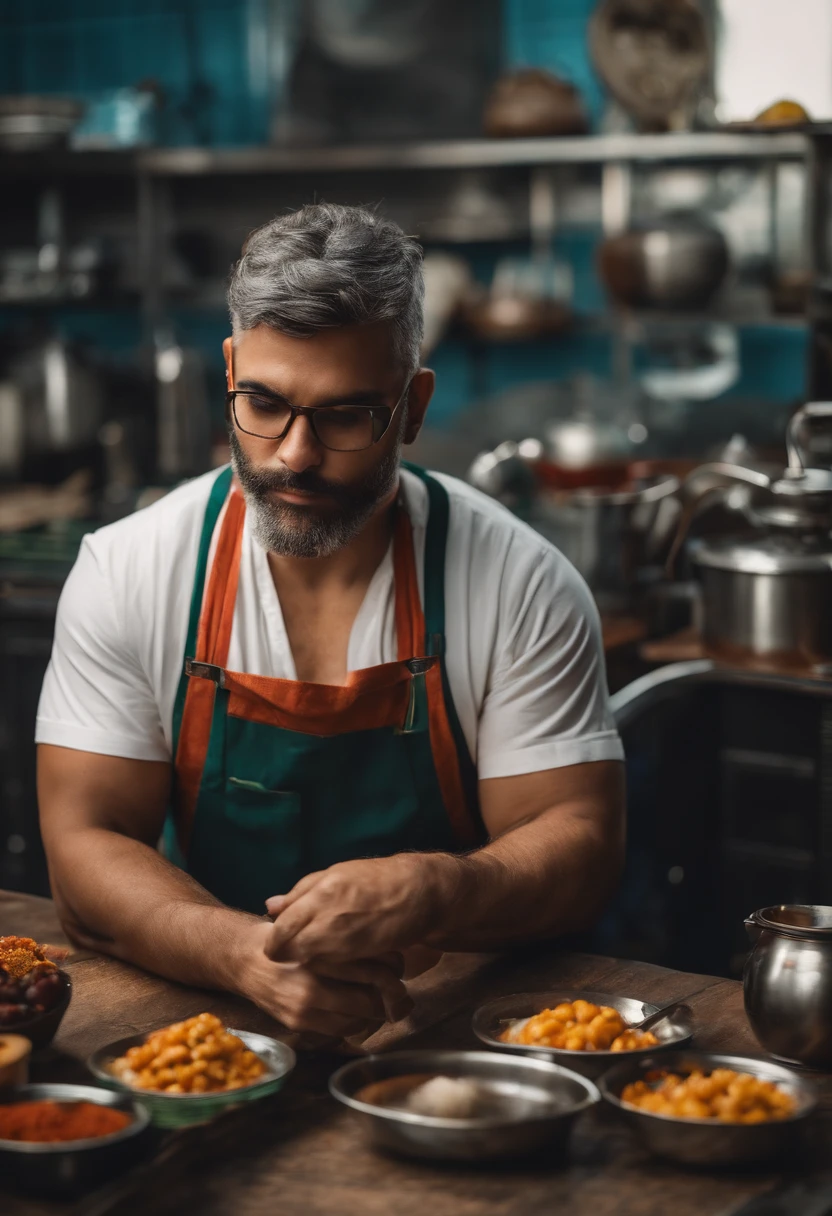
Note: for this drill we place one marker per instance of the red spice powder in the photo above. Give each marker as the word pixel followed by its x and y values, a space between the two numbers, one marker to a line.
pixel 52 1121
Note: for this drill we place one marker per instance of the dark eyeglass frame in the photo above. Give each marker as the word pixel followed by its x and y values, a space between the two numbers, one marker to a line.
pixel 381 415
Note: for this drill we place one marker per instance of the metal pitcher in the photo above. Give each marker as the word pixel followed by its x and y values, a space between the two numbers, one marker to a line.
pixel 787 982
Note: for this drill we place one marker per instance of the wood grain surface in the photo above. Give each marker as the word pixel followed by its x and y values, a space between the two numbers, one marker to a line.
pixel 299 1152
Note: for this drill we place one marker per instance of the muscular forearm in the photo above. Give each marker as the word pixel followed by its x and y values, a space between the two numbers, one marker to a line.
pixel 544 878
pixel 547 875
pixel 119 896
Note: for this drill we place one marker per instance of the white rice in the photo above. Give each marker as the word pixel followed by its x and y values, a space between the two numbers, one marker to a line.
pixel 445 1098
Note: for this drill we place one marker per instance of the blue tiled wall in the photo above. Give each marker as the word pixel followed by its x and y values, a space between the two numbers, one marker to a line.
pixel 197 50
pixel 211 51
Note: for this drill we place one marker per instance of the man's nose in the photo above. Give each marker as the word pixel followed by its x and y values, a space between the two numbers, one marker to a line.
pixel 299 449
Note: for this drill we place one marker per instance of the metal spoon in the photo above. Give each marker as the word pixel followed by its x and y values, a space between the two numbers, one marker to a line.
pixel 669 1011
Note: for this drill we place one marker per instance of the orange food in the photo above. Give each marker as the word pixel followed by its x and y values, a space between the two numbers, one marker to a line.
pixel 47 1121
pixel 732 1097
pixel 580 1026
pixel 18 955
pixel 194 1057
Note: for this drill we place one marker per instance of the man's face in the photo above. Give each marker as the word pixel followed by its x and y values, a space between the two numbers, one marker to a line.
pixel 304 499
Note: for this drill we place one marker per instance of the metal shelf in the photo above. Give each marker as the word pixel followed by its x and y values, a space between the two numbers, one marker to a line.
pixel 450 154
pixel 477 153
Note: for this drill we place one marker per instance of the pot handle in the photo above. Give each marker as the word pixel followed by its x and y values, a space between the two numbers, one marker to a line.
pixel 796 434
pixel 752 929
pixel 699 485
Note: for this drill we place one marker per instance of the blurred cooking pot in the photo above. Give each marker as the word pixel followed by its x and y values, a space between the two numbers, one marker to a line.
pixel 768 591
pixel 607 534
pixel 514 318
pixel 584 451
pixel 611 535
pixel 533 102
pixel 677 263
pixel 58 398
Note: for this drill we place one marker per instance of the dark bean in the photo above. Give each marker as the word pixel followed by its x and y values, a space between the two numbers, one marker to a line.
pixel 44 992
pixel 11 1014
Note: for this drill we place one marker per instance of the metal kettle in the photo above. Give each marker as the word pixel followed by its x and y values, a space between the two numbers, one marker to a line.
pixel 787 982
pixel 768 591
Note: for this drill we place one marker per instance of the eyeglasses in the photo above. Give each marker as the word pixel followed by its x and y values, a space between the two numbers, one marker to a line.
pixel 340 428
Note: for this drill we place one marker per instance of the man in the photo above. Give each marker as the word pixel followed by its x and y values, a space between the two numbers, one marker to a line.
pixel 373 701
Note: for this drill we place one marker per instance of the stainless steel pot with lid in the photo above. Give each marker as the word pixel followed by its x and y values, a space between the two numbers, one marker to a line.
pixel 787 982
pixel 768 592
pixel 608 534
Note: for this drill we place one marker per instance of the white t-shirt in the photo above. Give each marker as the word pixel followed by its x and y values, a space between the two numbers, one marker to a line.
pixel 523 641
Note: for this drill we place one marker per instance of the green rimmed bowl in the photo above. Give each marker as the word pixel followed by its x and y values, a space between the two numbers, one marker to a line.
pixel 186 1110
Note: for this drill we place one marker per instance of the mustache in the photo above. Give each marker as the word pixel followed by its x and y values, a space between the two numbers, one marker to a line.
pixel 261 482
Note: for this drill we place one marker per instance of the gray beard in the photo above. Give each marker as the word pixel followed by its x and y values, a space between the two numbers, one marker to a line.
pixel 295 531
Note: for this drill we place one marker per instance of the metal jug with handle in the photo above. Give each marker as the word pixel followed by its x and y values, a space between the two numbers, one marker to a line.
pixel 787 982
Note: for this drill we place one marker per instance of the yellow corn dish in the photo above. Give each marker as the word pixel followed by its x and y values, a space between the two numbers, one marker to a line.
pixel 197 1056
pixel 580 1026
pixel 732 1097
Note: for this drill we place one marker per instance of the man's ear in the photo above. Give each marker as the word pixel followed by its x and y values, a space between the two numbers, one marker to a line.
pixel 228 355
pixel 418 400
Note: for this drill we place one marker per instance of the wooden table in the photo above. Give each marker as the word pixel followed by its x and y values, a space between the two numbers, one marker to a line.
pixel 299 1152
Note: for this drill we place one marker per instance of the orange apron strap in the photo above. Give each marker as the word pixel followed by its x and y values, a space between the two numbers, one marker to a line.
pixel 217 617
pixel 213 641
pixel 452 760
pixel 446 762
pixel 410 619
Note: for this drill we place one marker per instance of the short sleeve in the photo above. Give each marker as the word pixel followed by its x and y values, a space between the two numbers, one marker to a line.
pixel 547 704
pixel 96 697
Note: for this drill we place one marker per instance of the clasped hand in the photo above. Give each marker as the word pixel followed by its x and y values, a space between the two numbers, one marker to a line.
pixel 340 938
pixel 359 909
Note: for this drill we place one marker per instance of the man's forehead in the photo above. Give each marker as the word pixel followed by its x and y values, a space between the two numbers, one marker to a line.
pixel 375 342
pixel 333 364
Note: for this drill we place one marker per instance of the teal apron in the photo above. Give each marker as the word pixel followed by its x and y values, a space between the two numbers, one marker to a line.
pixel 275 779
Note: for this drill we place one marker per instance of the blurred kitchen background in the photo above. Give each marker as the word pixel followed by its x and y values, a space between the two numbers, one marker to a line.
pixel 624 206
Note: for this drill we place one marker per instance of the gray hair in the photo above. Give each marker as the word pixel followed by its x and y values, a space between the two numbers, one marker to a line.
pixel 325 266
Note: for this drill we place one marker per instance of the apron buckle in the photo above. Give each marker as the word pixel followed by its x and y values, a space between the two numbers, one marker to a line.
pixel 205 671
pixel 415 718
pixel 418 667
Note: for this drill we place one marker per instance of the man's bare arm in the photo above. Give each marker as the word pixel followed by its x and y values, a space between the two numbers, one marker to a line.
pixel 101 817
pixel 554 858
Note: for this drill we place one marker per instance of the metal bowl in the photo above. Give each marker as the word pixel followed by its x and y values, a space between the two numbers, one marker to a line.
pixel 492 1019
pixel 185 1110
pixel 676 264
pixel 31 123
pixel 532 1105
pixel 64 1169
pixel 710 1141
pixel 41 1029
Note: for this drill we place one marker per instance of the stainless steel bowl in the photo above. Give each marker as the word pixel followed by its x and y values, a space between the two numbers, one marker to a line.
pixel 67 1168
pixel 185 1110
pixel 532 1105
pixel 709 1141
pixel 492 1019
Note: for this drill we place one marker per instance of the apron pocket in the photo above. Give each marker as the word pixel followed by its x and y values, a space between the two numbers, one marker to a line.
pixel 262 853
pixel 273 813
